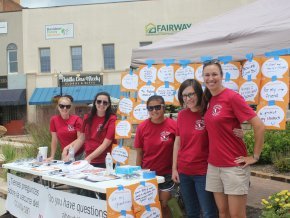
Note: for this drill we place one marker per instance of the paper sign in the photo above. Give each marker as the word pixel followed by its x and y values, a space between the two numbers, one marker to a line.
pixel 129 82
pixel 184 73
pixel 273 116
pixel 272 67
pixel 199 73
pixel 233 69
pixel 125 106
pixel 145 91
pixel 120 154
pixel 148 73
pixel 140 113
pixel 118 199
pixel 166 73
pixel 128 215
pixel 231 85
pixel 249 90
pixel 252 69
pixel 123 129
pixel 274 90
pixel 166 92
pixel 152 211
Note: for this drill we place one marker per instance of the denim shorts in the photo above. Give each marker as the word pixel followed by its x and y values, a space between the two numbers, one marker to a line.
pixel 167 185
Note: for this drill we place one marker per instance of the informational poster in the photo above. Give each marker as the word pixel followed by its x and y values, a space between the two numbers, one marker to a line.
pixel 150 211
pixel 275 89
pixel 231 69
pixel 183 73
pixel 120 154
pixel 129 81
pixel 249 89
pixel 165 73
pixel 277 67
pixel 140 113
pixel 167 91
pixel 145 90
pixel 251 69
pixel 147 73
pixel 123 129
pixel 125 106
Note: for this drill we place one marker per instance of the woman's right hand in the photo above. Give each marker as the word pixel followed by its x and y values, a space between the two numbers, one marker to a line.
pixel 175 176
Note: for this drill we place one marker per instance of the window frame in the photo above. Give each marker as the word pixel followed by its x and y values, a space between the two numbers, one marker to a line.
pixel 75 58
pixel 109 60
pixel 12 47
pixel 42 67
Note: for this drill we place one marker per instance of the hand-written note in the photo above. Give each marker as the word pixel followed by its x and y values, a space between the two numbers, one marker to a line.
pixel 120 154
pixel 130 82
pixel 249 91
pixel 140 112
pixel 125 105
pixel 166 93
pixel 120 200
pixel 144 195
pixel 271 115
pixel 274 67
pixel 148 74
pixel 123 128
pixel 231 85
pixel 153 213
pixel 166 73
pixel 199 73
pixel 250 68
pixel 275 91
pixel 145 92
pixel 232 70
pixel 183 74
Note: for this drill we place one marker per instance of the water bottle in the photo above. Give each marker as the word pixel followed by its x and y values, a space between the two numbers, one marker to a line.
pixel 109 164
pixel 39 157
pixel 71 154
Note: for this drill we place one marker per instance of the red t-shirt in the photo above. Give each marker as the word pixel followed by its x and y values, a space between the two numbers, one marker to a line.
pixel 66 130
pixel 225 112
pixel 156 141
pixel 94 138
pixel 193 150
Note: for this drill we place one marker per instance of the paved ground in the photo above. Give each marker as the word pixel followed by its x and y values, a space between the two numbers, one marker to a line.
pixel 2 206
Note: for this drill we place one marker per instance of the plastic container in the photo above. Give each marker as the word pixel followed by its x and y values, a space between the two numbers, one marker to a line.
pixel 109 164
pixel 39 156
pixel 71 153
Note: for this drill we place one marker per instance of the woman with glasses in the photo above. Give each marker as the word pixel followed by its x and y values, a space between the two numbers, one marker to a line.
pixel 64 128
pixel 98 131
pixel 228 172
pixel 191 152
pixel 154 145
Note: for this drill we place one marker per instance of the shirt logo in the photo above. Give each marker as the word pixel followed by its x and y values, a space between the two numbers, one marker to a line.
pixel 216 110
pixel 164 136
pixel 199 125
pixel 99 127
pixel 70 127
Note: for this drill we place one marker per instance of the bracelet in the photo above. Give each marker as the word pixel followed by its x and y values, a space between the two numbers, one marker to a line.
pixel 256 157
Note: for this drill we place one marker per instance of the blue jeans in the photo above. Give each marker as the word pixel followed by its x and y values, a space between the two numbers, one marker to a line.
pixel 196 198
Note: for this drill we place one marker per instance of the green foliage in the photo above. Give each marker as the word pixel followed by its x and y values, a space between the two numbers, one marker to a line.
pixel 277 205
pixel 9 153
pixel 281 161
pixel 275 141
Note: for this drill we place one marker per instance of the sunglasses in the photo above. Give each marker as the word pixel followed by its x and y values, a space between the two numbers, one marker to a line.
pixel 105 103
pixel 189 95
pixel 155 107
pixel 62 106
pixel 213 61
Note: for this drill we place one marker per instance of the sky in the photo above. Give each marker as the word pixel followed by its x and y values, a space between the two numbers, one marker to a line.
pixel 52 3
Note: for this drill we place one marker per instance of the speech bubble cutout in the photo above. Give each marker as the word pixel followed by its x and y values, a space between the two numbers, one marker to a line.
pixel 183 74
pixel 120 200
pixel 126 105
pixel 140 112
pixel 130 81
pixel 274 67
pixel 275 91
pixel 271 115
pixel 250 68
pixel 148 74
pixel 145 92
pixel 249 91
pixel 166 73
pixel 232 70
pixel 145 195
pixel 153 213
pixel 231 85
pixel 166 93
pixel 120 154
pixel 123 128
pixel 127 216
pixel 198 74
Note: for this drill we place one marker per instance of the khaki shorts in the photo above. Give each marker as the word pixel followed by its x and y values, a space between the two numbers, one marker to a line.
pixel 229 180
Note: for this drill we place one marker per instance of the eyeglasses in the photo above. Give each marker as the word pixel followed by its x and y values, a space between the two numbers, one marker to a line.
pixel 155 107
pixel 189 95
pixel 105 103
pixel 62 106
pixel 213 61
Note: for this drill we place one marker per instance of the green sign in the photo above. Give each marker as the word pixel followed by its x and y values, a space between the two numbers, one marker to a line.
pixel 164 29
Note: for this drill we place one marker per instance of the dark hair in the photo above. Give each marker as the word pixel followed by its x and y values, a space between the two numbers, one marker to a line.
pixel 206 94
pixel 197 89
pixel 109 111
pixel 69 97
pixel 155 98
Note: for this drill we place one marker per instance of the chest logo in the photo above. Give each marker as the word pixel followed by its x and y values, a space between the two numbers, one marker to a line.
pixel 216 110
pixel 164 136
pixel 70 127
pixel 99 127
pixel 199 125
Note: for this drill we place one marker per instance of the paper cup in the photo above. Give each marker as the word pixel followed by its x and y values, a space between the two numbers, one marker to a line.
pixel 43 151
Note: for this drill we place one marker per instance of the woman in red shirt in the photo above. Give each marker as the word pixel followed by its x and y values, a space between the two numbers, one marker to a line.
pixel 228 163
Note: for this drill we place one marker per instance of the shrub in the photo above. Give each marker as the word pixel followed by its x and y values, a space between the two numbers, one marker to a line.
pixel 281 160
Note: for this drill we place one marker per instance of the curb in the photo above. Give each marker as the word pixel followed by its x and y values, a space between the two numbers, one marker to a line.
pixel 276 177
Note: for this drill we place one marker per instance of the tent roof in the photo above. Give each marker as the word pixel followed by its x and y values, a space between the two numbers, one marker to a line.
pixel 259 27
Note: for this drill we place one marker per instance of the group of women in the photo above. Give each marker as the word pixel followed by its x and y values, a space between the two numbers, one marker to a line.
pixel 203 150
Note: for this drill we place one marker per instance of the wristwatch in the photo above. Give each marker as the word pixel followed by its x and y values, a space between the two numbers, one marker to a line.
pixel 256 157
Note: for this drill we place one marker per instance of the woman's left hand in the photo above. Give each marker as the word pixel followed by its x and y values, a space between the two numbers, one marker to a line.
pixel 245 161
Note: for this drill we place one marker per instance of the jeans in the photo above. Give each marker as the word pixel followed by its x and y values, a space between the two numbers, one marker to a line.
pixel 196 198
